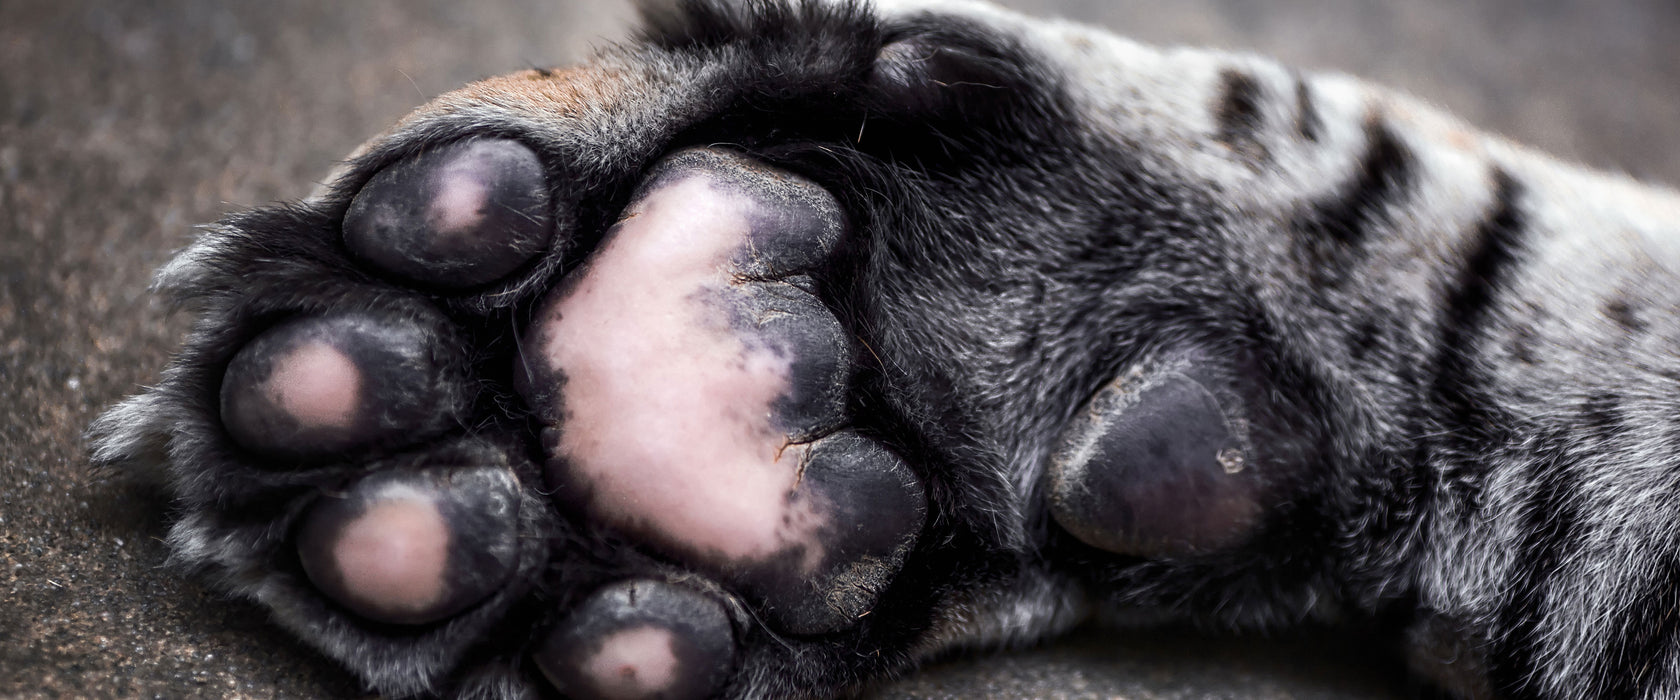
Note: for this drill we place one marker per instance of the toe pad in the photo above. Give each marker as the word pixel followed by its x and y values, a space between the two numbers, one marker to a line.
pixel 640 639
pixel 316 386
pixel 413 547
pixel 458 216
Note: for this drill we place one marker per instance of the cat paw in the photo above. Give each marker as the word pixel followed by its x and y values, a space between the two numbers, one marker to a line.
pixel 727 365
pixel 644 465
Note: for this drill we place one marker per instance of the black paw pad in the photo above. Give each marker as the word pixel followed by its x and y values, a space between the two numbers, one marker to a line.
pixel 317 386
pixel 640 639
pixel 790 324
pixel 1154 467
pixel 459 216
pixel 872 508
pixel 413 547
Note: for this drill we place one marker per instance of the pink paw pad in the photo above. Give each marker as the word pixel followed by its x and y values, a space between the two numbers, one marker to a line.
pixel 413 547
pixel 462 215
pixel 639 640
pixel 316 386
pixel 687 375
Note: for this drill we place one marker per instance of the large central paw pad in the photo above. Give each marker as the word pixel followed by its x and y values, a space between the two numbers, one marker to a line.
pixel 690 393
pixel 695 391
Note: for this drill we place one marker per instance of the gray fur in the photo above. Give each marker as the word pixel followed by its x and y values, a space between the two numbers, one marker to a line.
pixel 1477 361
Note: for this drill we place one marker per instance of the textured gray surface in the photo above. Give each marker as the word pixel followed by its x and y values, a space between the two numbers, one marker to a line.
pixel 123 124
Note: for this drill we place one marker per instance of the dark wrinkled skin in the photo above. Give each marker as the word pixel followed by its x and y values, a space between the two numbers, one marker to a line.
pixel 123 126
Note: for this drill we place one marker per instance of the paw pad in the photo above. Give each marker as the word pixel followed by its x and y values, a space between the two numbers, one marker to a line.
pixel 316 386
pixel 1155 467
pixel 640 639
pixel 413 547
pixel 684 376
pixel 458 216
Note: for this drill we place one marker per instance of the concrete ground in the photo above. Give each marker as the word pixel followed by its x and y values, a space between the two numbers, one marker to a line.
pixel 124 124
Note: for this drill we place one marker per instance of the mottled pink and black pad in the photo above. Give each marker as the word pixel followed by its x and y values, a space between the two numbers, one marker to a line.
pixel 319 386
pixel 640 639
pixel 874 510
pixel 933 248
pixel 413 547
pixel 694 391
pixel 458 216
pixel 1155 466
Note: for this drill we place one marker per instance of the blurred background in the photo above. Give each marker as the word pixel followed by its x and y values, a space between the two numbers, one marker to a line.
pixel 124 124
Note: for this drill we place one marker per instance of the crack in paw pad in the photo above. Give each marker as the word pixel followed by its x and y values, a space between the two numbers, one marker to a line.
pixel 458 216
pixel 412 547
pixel 685 374
pixel 640 639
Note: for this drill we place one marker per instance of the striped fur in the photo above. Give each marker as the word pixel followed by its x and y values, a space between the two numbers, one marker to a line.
pixel 1464 353
pixel 1498 330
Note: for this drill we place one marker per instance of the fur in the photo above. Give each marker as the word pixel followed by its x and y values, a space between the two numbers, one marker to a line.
pixel 1459 354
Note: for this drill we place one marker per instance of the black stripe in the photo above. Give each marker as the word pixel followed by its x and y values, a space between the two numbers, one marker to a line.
pixel 1473 433
pixel 1307 122
pixel 1487 267
pixel 1486 270
pixel 1238 113
pixel 1387 172
pixel 1468 415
